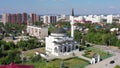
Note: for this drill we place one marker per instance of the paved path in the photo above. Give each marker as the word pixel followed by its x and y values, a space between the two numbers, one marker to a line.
pixel 106 63
pixel 79 54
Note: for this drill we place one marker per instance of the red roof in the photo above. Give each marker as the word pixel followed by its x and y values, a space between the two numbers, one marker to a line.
pixel 12 65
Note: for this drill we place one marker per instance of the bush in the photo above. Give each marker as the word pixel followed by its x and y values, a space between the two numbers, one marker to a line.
pixel 36 58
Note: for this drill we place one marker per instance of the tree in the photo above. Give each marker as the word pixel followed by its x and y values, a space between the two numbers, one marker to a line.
pixel 36 58
pixel 21 44
pixel 11 56
pixel 18 28
pixel 118 43
pixel 78 36
pixel 101 38
pixel 17 58
pixel 4 43
pixel 2 48
pixel 11 44
pixel 3 61
pixel 38 23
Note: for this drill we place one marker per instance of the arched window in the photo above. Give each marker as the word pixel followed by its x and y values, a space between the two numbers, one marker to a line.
pixel 65 48
pixel 72 47
pixel 56 50
pixel 69 48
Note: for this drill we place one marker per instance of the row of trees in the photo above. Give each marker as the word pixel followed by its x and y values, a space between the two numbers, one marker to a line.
pixel 29 44
pixel 15 29
pixel 100 36
pixel 10 56
pixel 10 52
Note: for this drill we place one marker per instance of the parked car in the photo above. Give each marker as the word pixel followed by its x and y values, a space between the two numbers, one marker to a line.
pixel 112 62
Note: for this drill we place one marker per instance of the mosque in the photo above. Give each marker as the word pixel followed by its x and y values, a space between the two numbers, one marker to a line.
pixel 58 43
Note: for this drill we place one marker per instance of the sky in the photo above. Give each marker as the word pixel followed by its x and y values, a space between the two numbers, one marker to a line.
pixel 60 6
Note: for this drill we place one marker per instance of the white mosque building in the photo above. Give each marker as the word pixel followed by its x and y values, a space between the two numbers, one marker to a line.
pixel 58 43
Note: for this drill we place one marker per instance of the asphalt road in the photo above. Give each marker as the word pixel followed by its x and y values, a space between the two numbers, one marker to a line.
pixel 106 63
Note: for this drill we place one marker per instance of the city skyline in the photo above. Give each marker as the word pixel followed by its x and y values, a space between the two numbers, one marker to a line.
pixel 60 6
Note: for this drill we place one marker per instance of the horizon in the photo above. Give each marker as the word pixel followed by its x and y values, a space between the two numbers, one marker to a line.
pixel 41 7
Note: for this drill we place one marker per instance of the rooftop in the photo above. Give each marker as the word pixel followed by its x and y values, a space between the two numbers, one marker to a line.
pixel 58 30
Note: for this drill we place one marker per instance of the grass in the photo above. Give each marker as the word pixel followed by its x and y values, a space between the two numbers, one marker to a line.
pixel 117 66
pixel 37 64
pixel 69 63
pixel 76 63
pixel 32 52
pixel 91 51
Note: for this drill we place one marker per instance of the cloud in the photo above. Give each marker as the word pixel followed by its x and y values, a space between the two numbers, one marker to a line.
pixel 112 7
pixel 1 9
pixel 53 0
pixel 58 0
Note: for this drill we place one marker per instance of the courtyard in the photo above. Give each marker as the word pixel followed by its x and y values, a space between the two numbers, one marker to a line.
pixel 90 51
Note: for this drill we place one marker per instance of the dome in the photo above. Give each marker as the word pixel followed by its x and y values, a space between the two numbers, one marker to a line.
pixel 58 30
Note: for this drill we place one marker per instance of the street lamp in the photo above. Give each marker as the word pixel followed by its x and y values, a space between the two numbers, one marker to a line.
pixel 13 31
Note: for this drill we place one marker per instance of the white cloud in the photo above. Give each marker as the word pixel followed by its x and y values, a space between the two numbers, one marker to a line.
pixel 1 9
pixel 54 0
pixel 112 7
pixel 58 0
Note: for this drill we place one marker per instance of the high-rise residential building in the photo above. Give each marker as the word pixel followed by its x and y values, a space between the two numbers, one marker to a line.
pixel 13 18
pixel 18 18
pixel 49 19
pixel 39 18
pixel 33 18
pixel 46 19
pixel 53 19
pixel 4 18
pixel 25 18
pixel 9 18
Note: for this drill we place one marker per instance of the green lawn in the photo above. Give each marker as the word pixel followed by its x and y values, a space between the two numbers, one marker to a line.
pixel 32 52
pixel 76 63
pixel 117 66
pixel 70 63
pixel 91 50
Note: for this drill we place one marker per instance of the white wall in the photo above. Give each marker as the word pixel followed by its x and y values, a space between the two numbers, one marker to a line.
pixel 46 19
pixel 37 31
pixel 109 18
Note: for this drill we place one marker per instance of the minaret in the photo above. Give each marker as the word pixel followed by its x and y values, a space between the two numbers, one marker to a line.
pixel 72 23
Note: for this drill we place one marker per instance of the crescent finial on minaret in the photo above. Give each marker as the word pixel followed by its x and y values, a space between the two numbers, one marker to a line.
pixel 72 11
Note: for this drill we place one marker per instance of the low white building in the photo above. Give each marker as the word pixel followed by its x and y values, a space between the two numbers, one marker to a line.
pixel 39 32
pixel 114 29
pixel 58 43
pixel 109 18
